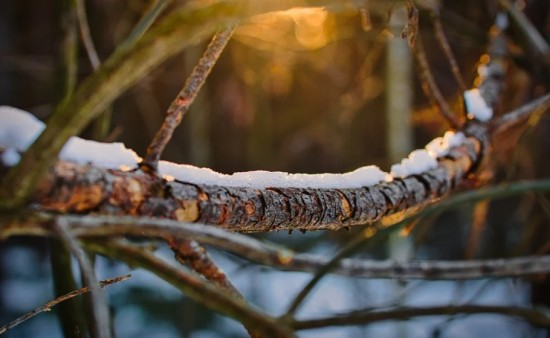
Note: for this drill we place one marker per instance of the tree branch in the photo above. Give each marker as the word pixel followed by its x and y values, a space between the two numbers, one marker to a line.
pixel 101 320
pixel 193 286
pixel 186 97
pixel 430 87
pixel 532 316
pixel 77 188
pixel 49 305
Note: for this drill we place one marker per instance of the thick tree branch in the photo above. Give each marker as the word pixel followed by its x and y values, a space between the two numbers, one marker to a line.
pixel 76 188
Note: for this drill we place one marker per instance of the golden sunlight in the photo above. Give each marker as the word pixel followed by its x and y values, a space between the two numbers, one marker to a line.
pixel 298 28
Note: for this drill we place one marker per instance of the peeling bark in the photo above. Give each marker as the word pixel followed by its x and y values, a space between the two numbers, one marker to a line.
pixel 73 188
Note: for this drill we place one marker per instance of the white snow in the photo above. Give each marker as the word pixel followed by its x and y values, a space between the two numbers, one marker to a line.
pixel 105 155
pixel 10 157
pixel 18 129
pixel 364 176
pixel 418 162
pixel 440 146
pixel 477 106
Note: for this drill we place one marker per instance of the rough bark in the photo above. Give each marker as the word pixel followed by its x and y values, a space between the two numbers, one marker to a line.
pixel 73 188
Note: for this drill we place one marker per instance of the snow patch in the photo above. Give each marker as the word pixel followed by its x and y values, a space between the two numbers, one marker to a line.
pixel 10 157
pixel 440 146
pixel 477 106
pixel 105 155
pixel 18 129
pixel 364 176
pixel 418 162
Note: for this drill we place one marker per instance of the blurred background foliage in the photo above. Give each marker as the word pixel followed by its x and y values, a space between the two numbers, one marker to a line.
pixel 304 90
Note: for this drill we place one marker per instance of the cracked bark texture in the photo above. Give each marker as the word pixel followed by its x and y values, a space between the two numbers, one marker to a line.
pixel 73 188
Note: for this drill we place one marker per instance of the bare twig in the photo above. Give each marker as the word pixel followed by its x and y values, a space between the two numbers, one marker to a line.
pixel 151 13
pixel 444 44
pixel 281 258
pixel 67 65
pixel 48 306
pixel 430 87
pixel 519 115
pixel 101 319
pixel 186 96
pixel 533 316
pixel 535 39
pixel 193 286
pixel 85 35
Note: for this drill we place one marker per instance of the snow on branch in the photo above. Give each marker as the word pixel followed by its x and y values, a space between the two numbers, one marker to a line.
pixel 481 101
pixel 104 178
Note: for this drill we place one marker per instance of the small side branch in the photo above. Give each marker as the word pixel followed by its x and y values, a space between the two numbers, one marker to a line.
pixel 85 35
pixel 444 44
pixel 186 96
pixel 49 305
pixel 430 87
pixel 532 35
pixel 533 316
pixel 192 254
pixel 520 115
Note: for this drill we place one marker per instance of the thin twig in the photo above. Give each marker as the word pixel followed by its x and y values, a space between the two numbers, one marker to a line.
pixel 444 44
pixel 281 258
pixel 151 13
pixel 100 311
pixel 533 316
pixel 102 123
pixel 186 96
pixel 519 115
pixel 430 87
pixel 48 306
pixel 67 65
pixel 532 35
pixel 85 35
pixel 193 286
